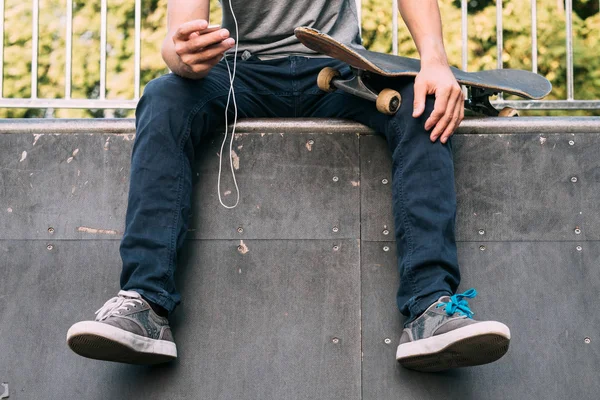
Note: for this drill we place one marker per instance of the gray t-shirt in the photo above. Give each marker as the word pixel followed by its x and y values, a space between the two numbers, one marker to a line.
pixel 266 27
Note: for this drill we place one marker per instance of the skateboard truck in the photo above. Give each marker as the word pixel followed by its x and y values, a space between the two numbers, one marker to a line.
pixel 478 101
pixel 387 101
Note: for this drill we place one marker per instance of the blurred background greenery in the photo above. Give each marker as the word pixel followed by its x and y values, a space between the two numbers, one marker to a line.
pixel 377 35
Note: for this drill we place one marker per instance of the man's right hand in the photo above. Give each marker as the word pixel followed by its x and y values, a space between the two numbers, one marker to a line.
pixel 199 50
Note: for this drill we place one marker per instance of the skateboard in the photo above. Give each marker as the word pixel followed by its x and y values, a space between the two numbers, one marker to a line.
pixel 369 67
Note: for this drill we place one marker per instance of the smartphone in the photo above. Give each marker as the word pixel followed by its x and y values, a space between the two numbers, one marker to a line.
pixel 211 28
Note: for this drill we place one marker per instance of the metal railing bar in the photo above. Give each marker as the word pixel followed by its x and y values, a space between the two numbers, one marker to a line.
pixel 534 45
pixel 137 51
pixel 499 35
pixel 2 48
pixel 53 126
pixel 131 104
pixel 395 27
pixel 530 125
pixel 34 47
pixel 499 125
pixel 359 14
pixel 569 27
pixel 499 38
pixel 69 49
pixel 464 33
pixel 68 103
pixel 470 125
pixel 549 104
pixel 103 13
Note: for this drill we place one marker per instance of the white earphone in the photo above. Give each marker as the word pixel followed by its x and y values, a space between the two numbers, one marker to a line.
pixel 230 95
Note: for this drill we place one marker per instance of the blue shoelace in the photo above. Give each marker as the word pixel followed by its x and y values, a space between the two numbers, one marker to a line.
pixel 458 304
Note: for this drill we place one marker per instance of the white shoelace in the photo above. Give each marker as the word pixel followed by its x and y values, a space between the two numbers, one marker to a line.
pixel 124 300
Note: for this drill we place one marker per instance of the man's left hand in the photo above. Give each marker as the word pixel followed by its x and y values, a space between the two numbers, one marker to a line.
pixel 448 112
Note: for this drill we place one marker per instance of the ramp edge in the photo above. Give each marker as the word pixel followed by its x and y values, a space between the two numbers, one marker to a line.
pixel 489 125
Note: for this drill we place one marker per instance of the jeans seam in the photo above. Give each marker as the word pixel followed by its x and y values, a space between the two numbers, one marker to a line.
pixel 405 217
pixel 287 94
pixel 314 92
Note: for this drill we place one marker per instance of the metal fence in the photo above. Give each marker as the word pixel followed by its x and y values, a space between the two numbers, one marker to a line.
pixel 569 103
pixel 103 103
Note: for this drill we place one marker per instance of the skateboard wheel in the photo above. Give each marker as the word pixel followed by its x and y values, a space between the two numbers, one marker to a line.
pixel 388 101
pixel 325 79
pixel 508 112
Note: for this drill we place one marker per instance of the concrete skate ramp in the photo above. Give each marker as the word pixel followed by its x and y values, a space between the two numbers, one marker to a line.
pixel 300 303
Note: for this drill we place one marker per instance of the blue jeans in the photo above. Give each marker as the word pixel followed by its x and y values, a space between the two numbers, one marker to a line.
pixel 175 114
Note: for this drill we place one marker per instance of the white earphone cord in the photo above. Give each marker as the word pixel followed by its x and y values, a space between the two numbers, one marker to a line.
pixel 230 95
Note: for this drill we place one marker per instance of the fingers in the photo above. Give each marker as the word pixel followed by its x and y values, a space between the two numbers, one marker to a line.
pixel 439 109
pixel 210 52
pixel 205 65
pixel 202 48
pixel 202 41
pixel 196 43
pixel 186 29
pixel 419 99
pixel 447 114
pixel 459 113
pixel 207 54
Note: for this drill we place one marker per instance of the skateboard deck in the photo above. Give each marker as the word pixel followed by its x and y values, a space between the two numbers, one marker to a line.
pixel 364 63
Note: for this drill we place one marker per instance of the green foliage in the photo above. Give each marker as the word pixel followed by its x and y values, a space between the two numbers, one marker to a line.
pixel 377 35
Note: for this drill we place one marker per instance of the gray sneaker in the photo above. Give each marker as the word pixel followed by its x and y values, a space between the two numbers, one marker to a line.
pixel 445 336
pixel 126 330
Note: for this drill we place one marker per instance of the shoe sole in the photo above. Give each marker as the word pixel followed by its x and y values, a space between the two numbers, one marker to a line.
pixel 472 345
pixel 100 341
